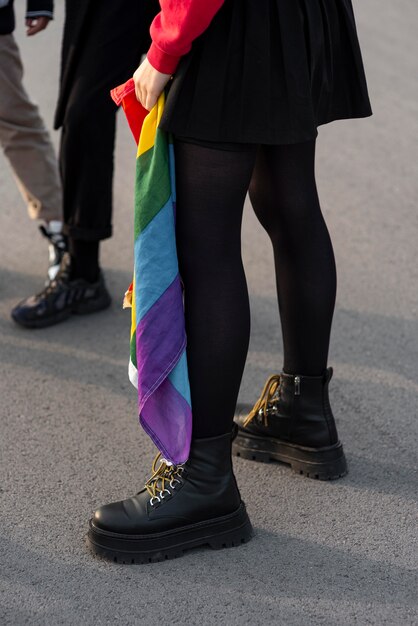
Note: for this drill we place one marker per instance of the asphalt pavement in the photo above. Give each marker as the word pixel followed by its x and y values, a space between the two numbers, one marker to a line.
pixel 337 553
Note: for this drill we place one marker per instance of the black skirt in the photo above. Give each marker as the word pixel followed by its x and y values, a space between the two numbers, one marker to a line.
pixel 269 72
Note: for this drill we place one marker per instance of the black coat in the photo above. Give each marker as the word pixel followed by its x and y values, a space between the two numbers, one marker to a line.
pixel 34 8
pixel 79 21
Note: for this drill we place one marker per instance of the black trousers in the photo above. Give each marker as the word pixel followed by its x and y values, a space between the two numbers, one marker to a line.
pixel 114 38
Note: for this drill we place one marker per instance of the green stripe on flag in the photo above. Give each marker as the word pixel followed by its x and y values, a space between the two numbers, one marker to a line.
pixel 152 190
pixel 133 350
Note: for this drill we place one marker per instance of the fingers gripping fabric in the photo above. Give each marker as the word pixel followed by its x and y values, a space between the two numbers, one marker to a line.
pixel 158 366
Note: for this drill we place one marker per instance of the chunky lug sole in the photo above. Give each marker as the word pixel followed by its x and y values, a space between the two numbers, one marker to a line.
pixel 326 463
pixel 81 308
pixel 222 532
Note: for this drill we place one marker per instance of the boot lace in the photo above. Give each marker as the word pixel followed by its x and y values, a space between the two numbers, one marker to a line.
pixel 164 478
pixel 267 402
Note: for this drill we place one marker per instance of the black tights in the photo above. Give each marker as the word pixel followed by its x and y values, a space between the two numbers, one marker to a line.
pixel 211 189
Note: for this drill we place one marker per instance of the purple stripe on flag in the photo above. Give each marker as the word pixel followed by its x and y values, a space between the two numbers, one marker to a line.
pixel 167 419
pixel 160 340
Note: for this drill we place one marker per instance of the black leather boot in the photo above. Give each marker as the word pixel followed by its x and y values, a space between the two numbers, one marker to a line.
pixel 292 422
pixel 181 507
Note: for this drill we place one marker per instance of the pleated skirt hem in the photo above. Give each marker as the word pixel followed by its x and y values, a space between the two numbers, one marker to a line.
pixel 278 138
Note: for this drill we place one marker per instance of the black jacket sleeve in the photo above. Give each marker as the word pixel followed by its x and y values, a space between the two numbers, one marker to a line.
pixel 40 8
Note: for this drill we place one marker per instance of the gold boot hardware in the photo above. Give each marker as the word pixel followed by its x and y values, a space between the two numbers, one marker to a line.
pixel 266 403
pixel 164 476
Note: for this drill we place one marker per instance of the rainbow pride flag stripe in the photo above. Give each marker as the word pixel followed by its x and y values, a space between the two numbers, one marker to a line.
pixel 158 365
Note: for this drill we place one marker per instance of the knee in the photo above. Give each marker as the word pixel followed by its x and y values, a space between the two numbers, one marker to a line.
pixel 194 264
pixel 265 206
pixel 208 266
pixel 280 214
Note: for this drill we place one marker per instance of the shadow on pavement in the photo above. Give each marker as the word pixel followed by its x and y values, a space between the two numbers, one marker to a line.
pixel 256 578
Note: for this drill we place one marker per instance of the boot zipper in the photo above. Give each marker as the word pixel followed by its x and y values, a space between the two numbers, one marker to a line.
pixel 297 385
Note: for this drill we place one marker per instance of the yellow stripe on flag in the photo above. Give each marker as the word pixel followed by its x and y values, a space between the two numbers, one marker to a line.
pixel 133 311
pixel 149 127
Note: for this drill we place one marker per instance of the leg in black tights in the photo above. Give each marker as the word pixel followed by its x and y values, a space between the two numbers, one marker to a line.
pixel 211 189
pixel 285 199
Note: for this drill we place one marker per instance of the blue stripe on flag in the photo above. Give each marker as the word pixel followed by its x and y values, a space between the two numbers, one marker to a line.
pixel 179 378
pixel 155 260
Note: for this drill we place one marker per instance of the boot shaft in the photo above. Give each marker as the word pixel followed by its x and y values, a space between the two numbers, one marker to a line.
pixel 304 404
pixel 208 473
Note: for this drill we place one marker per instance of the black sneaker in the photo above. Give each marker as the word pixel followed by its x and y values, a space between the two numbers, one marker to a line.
pixel 60 298
pixel 57 246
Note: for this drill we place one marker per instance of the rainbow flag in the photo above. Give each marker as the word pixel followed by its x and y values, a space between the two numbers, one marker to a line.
pixel 158 366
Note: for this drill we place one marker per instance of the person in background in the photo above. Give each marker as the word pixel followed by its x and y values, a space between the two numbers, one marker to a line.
pixel 97 55
pixel 23 136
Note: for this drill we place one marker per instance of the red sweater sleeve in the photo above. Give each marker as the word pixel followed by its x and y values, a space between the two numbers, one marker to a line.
pixel 175 28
